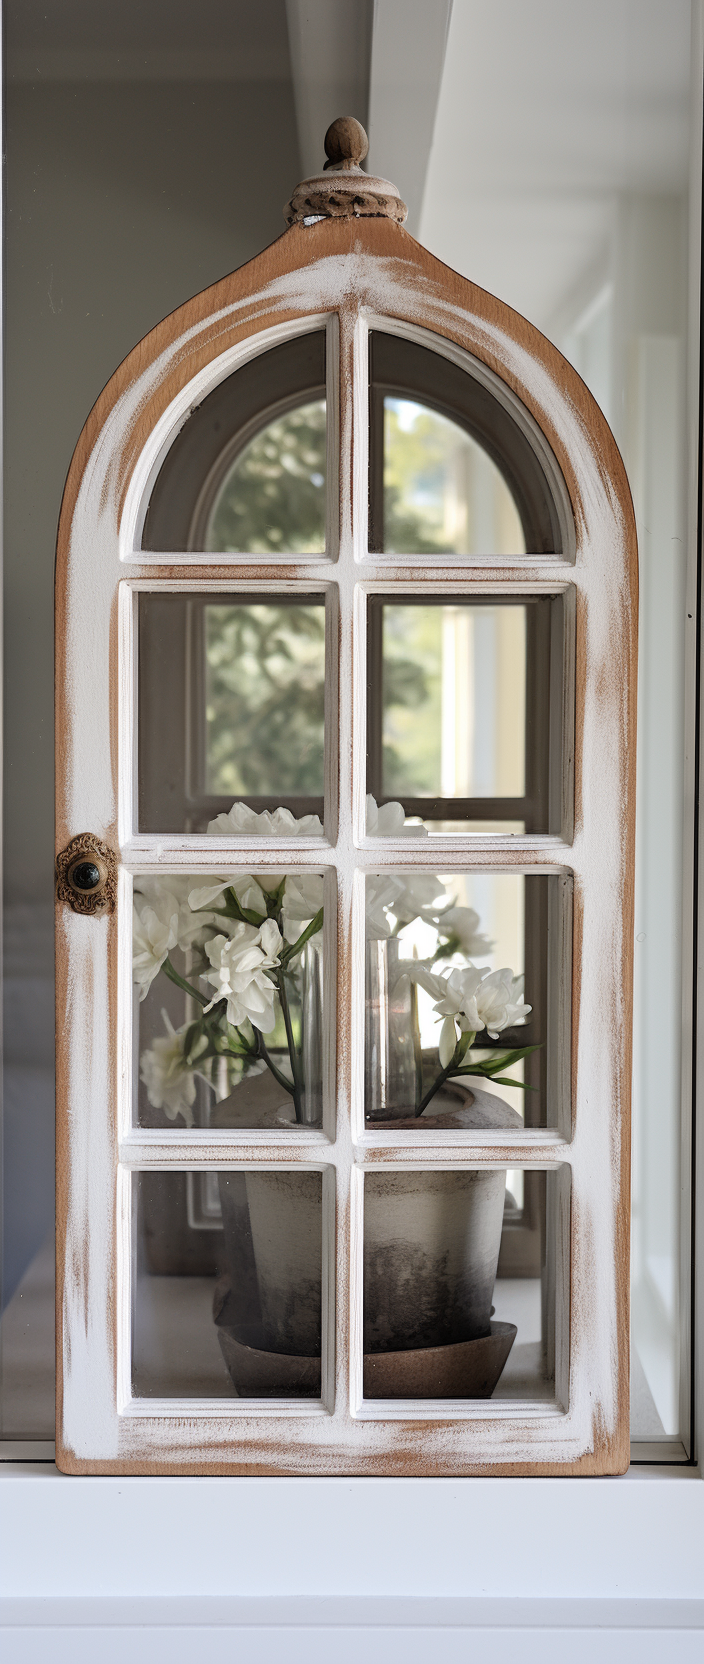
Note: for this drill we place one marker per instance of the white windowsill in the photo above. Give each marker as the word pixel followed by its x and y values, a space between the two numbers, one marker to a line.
pixel 631 1540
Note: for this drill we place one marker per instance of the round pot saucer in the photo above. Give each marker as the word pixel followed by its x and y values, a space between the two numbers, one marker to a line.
pixel 467 1369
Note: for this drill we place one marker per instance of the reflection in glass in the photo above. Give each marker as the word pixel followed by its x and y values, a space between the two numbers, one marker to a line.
pixel 441 1320
pixel 264 699
pixel 456 989
pixel 227 1291
pixel 442 492
pixel 272 497
pixel 454 697
pixel 228 978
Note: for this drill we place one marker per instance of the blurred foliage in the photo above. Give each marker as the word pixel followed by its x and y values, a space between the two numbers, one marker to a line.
pixel 418 451
pixel 273 499
pixel 265 664
pixel 265 699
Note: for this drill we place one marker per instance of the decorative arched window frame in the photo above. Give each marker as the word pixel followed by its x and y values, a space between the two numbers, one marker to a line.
pixel 345 264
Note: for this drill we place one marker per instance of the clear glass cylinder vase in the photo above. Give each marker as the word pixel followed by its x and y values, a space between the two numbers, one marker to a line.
pixel 312 1033
pixel 392 1056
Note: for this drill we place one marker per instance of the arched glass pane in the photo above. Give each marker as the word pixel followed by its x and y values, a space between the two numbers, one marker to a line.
pixel 246 474
pixel 442 492
pixel 453 469
pixel 272 497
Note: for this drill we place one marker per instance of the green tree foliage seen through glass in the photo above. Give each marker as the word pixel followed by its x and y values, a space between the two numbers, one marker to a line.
pixel 265 697
pixel 272 501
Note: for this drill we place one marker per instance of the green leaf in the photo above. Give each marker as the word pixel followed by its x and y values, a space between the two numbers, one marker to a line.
pixel 502 1080
pixel 463 1044
pixel 274 900
pixel 246 914
pixel 191 1036
pixel 505 1080
pixel 504 1060
pixel 310 930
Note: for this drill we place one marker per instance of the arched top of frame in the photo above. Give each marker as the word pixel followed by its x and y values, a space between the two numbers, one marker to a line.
pixel 358 269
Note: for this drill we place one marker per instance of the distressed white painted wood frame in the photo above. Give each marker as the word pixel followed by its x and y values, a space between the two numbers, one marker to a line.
pixel 344 274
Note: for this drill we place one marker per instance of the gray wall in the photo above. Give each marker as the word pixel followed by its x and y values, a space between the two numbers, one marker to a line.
pixel 123 199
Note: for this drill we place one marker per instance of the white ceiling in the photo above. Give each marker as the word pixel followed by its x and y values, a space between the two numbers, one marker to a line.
pixel 547 110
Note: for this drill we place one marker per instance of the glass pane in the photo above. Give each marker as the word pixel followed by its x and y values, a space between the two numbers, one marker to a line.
pixel 264 699
pixel 451 468
pixel 442 492
pixel 247 471
pixel 454 701
pixel 272 497
pixel 459 973
pixel 463 722
pixel 227 1291
pixel 442 1318
pixel 228 1000
pixel 231 705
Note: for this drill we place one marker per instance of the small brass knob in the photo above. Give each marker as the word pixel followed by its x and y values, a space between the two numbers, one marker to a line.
pixel 86 875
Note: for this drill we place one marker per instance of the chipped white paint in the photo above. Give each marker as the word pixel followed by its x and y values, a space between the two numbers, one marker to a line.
pixel 102 1427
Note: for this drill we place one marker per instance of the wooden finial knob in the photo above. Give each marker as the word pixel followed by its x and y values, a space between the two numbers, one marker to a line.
pixel 346 143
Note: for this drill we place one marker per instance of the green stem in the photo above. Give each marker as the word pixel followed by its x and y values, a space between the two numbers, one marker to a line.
pixel 268 1059
pixel 460 1051
pixel 173 976
pixel 442 1077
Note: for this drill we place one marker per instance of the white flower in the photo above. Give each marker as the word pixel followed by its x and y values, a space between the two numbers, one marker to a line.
pixel 499 1001
pixel 169 1080
pixel 381 894
pixel 483 999
pixel 248 892
pixel 459 997
pixel 206 894
pixel 447 1042
pixel 406 898
pixel 464 922
pixel 417 898
pixel 474 999
pixel 169 897
pixel 303 898
pixel 240 963
pixel 389 821
pixel 241 821
pixel 155 931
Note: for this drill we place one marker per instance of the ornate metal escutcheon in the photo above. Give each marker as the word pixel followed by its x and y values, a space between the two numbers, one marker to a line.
pixel 86 875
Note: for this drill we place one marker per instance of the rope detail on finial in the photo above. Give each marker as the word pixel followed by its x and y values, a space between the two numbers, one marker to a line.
pixel 343 190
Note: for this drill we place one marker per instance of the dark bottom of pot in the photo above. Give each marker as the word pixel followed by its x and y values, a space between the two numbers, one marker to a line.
pixel 469 1369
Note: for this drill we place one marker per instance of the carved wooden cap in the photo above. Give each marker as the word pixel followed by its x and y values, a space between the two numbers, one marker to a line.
pixel 343 190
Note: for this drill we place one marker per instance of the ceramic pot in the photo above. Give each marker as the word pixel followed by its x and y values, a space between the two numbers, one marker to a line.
pixel 432 1239
pixel 272 1224
pixel 431 1247
pixel 431 1243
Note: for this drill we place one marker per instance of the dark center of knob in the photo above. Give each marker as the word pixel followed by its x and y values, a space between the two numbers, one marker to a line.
pixel 85 875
